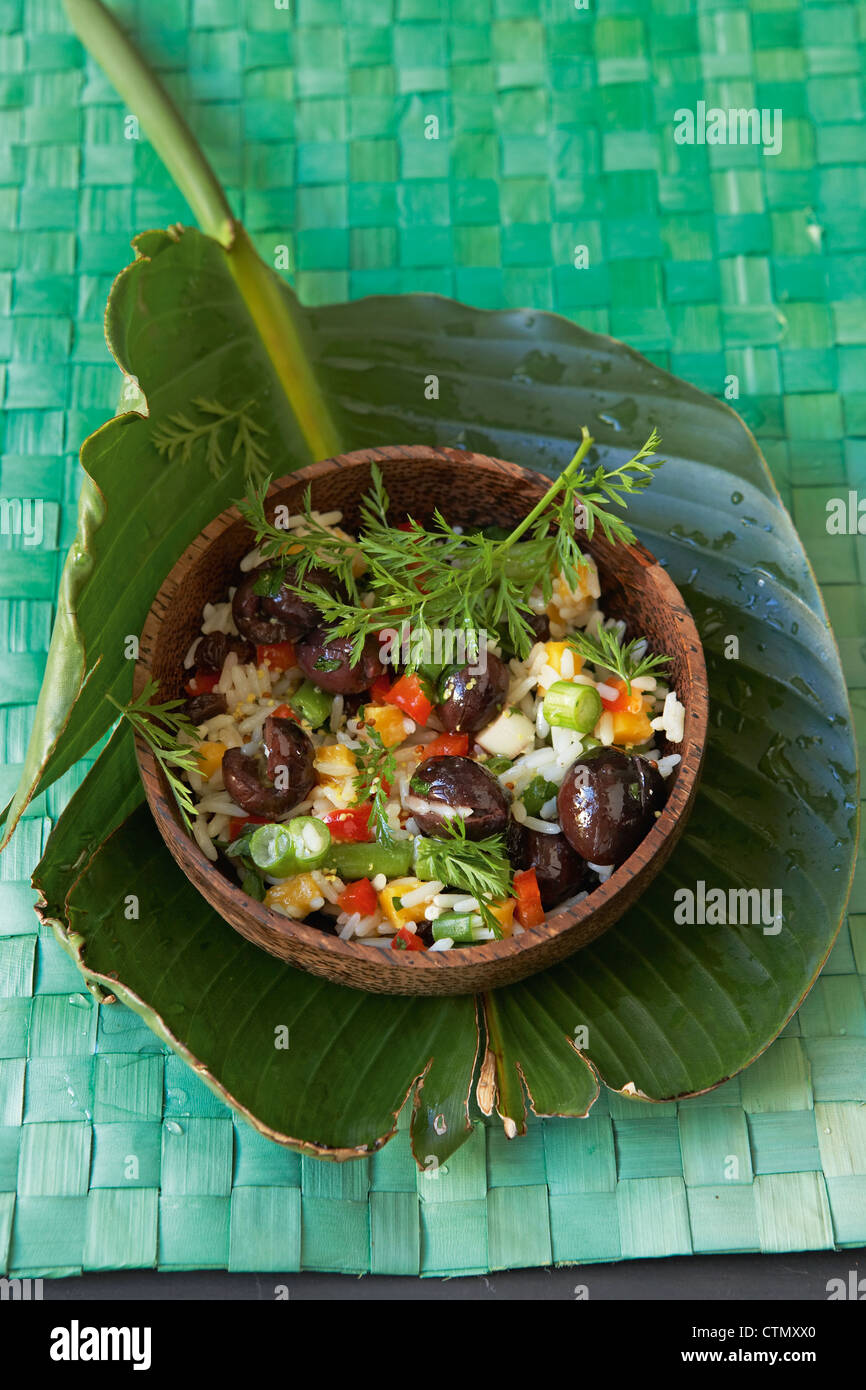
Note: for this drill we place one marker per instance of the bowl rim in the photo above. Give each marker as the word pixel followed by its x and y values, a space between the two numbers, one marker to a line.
pixel 563 918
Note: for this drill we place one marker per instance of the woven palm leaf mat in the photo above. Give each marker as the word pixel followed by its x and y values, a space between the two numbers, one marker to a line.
pixel 556 130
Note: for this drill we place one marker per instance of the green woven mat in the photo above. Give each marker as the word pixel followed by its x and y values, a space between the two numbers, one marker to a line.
pixel 555 131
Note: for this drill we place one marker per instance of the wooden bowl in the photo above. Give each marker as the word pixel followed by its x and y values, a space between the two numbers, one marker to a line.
pixel 470 489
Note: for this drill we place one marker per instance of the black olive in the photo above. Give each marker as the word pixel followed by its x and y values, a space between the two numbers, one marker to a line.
pixel 327 662
pixel 214 647
pixel 281 616
pixel 298 614
pixel 454 781
pixel 608 802
pixel 471 699
pixel 200 708
pixel 516 841
pixel 558 870
pixel 274 781
pixel 540 624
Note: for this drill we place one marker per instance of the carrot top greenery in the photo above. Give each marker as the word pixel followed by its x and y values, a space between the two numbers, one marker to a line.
pixel 436 576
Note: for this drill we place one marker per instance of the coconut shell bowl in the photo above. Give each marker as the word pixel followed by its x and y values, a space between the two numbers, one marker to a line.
pixel 471 489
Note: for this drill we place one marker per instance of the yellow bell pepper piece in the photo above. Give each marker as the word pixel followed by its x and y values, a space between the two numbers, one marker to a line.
pixel 387 720
pixel 294 897
pixel 334 760
pixel 631 728
pixel 554 652
pixel 210 756
pixel 503 911
pixel 390 901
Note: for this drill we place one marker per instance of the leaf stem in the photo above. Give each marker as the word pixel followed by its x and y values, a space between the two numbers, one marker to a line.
pixel 146 97
pixel 585 445
pixel 270 308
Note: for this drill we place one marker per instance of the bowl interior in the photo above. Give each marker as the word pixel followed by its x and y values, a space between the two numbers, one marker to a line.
pixel 469 490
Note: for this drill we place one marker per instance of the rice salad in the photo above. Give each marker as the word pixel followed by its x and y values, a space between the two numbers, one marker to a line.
pixel 421 807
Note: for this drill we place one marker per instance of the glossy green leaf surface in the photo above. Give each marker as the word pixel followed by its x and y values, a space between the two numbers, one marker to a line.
pixel 658 1007
pixel 182 324
pixel 309 1063
pixel 663 1008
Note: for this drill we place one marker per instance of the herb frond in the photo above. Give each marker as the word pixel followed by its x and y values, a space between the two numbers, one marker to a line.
pixel 437 577
pixel 592 495
pixel 478 867
pixel 163 726
pixel 376 771
pixel 179 435
pixel 607 649
pixel 301 548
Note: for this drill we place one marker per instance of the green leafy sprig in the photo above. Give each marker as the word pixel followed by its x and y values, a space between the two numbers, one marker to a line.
pixel 376 767
pixel 301 549
pixel 595 493
pixel 478 867
pixel 437 577
pixel 179 435
pixel 162 726
pixel 607 649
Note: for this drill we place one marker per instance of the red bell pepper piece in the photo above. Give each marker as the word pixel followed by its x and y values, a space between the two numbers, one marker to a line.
pixel 529 911
pixel 285 712
pixel 380 690
pixel 623 701
pixel 238 823
pixel 359 896
pixel 406 940
pixel 352 825
pixel 279 656
pixel 409 695
pixel 202 683
pixel 447 746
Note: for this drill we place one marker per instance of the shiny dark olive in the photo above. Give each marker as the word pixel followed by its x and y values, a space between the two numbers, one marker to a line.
pixel 278 617
pixel 273 781
pixel 214 647
pixel 558 870
pixel 454 781
pixel 295 612
pixel 540 625
pixel 327 662
pixel 200 708
pixel 469 701
pixel 608 802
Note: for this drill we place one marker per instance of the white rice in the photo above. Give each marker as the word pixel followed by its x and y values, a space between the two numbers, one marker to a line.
pixel 424 894
pixel 604 871
pixel 466 905
pixel 252 692
pixel 336 713
pixel 671 721
pixel 220 803
pixel 203 839
pixel 604 729
pixel 519 812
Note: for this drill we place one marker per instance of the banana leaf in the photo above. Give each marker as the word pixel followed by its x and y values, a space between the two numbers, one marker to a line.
pixel 234 376
pixel 655 1008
